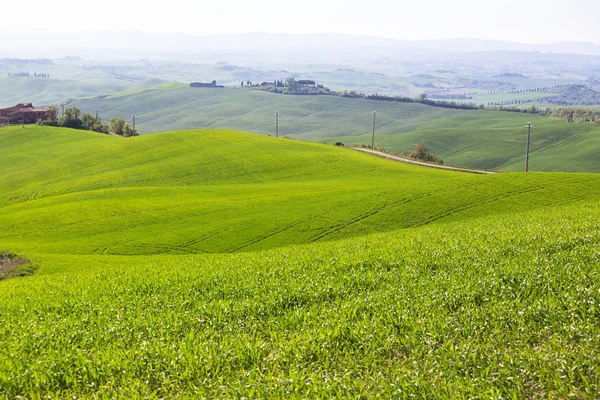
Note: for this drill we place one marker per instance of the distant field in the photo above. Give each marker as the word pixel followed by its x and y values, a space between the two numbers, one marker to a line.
pixel 213 263
pixel 477 139
pixel 49 91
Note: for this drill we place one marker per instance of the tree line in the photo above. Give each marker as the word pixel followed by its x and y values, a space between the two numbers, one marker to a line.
pixel 470 95
pixel 27 75
pixel 291 86
pixel 576 115
pixel 309 87
pixel 75 119
pixel 548 100
pixel 422 99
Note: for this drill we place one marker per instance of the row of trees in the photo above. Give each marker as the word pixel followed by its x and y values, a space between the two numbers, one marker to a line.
pixel 450 96
pixel 309 87
pixel 421 99
pixel 574 114
pixel 276 83
pixel 538 89
pixel 27 75
pixel 291 86
pixel 74 118
pixel 577 115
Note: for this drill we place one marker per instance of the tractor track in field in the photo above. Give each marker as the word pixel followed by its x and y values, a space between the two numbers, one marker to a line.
pixel 406 160
pixel 335 228
pixel 278 231
pixel 160 248
pixel 435 218
pixel 387 206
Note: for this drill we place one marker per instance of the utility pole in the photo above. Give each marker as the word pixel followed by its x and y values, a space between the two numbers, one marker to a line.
pixel 133 117
pixel 277 124
pixel 373 138
pixel 528 140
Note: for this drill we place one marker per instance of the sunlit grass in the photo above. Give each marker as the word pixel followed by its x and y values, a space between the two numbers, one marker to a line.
pixel 349 275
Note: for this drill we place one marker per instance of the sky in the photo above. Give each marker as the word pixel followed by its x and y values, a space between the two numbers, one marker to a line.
pixel 526 21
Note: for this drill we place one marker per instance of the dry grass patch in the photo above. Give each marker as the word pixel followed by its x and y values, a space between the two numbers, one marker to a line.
pixel 12 266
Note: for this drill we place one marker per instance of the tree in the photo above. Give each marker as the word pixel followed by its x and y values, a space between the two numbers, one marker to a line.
pixel 101 127
pixel 290 82
pixel 129 131
pixel 117 125
pixel 423 97
pixel 71 118
pixel 51 114
pixel 242 83
pixel 88 121
pixel 421 150
pixel 120 127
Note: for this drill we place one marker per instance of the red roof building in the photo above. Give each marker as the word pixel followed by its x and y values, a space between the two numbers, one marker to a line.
pixel 26 113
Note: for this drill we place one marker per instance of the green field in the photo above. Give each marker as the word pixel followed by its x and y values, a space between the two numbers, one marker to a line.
pixel 476 139
pixel 215 263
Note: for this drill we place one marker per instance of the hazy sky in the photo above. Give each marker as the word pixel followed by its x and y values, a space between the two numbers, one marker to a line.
pixel 529 21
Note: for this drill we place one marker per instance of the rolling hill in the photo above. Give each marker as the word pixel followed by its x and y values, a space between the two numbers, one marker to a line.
pixel 476 139
pixel 215 263
pixel 100 194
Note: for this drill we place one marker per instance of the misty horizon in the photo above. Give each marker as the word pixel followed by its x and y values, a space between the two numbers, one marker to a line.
pixel 27 41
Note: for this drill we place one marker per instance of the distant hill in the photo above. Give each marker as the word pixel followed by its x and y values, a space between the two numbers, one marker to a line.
pixel 250 41
pixel 477 139
pixel 574 95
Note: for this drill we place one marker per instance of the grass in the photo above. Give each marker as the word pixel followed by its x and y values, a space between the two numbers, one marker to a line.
pixel 475 139
pixel 214 263
pixel 99 194
pixel 65 83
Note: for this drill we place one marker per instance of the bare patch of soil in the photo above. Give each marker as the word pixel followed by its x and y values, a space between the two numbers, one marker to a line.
pixel 12 266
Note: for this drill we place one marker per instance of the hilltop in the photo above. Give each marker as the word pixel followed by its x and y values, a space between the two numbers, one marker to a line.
pixel 479 139
pixel 96 194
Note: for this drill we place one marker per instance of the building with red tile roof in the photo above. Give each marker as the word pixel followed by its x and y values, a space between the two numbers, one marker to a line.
pixel 26 113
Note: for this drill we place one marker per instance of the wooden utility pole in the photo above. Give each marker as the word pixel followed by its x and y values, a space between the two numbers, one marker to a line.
pixel 373 137
pixel 528 141
pixel 277 124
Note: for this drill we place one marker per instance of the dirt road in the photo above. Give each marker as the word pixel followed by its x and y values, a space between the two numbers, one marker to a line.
pixel 408 161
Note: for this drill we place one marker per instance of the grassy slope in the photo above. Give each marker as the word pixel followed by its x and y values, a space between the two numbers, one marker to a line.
pixel 63 84
pixel 492 290
pixel 488 140
pixel 100 194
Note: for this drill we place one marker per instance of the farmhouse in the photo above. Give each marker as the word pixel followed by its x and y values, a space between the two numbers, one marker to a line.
pixel 21 112
pixel 213 84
